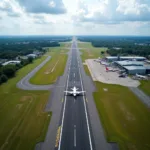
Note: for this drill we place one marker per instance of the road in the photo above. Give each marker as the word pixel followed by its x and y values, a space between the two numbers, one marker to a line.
pixel 24 83
pixel 75 125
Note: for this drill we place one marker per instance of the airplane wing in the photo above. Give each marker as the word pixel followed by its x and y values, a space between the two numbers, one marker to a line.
pixel 79 92
pixel 69 92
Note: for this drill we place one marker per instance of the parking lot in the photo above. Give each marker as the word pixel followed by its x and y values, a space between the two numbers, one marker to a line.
pixel 99 73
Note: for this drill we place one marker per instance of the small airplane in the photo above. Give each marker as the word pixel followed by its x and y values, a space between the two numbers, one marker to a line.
pixel 123 75
pixel 74 92
pixel 111 70
pixel 141 77
pixel 101 62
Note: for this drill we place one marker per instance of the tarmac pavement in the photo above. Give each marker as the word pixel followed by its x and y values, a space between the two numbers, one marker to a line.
pixel 24 83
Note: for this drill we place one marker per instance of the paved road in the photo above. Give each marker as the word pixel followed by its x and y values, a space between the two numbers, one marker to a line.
pixel 26 85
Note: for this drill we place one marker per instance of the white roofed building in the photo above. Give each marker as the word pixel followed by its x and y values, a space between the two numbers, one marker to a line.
pixel 11 62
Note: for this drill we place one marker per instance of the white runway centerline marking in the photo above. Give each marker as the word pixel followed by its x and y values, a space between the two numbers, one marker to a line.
pixel 75 141
pixel 74 75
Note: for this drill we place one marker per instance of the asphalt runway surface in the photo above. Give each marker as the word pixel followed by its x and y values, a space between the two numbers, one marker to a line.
pixel 74 123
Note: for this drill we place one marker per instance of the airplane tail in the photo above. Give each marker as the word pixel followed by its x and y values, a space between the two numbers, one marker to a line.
pixel 107 69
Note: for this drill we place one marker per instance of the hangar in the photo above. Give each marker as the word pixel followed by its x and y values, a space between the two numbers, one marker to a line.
pixel 122 58
pixel 132 70
pixel 132 67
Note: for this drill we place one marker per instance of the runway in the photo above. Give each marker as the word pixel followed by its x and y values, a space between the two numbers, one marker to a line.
pixel 74 123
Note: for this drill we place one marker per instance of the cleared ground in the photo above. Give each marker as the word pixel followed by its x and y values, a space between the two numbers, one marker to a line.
pixel 125 118
pixel 53 68
pixel 22 120
pixel 145 86
pixel 90 52
pixel 98 73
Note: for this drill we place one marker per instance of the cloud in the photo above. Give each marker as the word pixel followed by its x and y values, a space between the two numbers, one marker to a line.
pixel 10 8
pixel 113 12
pixel 43 6
pixel 39 19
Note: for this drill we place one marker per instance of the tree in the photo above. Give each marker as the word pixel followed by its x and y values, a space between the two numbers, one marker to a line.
pixel 3 78
pixel 30 59
pixel 9 70
pixel 102 52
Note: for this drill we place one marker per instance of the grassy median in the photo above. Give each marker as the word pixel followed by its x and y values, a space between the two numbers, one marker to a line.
pixel 125 119
pixel 23 121
pixel 49 73
pixel 90 52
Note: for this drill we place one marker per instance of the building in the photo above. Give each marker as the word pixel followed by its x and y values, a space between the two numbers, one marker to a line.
pixel 147 69
pixel 11 62
pixel 128 63
pixel 133 67
pixel 121 58
pixel 132 70
pixel 32 55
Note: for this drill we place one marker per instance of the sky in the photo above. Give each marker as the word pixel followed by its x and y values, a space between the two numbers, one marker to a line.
pixel 75 17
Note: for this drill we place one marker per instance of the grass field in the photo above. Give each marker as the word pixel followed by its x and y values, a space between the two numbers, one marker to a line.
pixel 65 44
pixel 49 73
pixel 145 86
pixel 90 52
pixel 22 120
pixel 125 119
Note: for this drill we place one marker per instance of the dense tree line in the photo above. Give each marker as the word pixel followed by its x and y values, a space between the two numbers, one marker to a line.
pixel 11 47
pixel 10 51
pixel 121 45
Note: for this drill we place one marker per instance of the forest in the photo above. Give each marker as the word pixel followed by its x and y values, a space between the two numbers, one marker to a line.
pixel 11 47
pixel 121 45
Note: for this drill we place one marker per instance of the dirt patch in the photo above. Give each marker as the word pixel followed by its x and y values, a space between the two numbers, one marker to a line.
pixel 132 146
pixel 26 98
pixel 19 106
pixel 52 70
pixel 46 72
pixel 89 53
pixel 105 89
pixel 126 113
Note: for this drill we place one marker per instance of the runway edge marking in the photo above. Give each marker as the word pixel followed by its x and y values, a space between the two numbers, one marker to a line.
pixel 62 123
pixel 91 147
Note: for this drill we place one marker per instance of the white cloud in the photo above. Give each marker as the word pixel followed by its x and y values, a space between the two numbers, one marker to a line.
pixel 43 6
pixel 11 8
pixel 108 11
pixel 75 17
pixel 52 4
